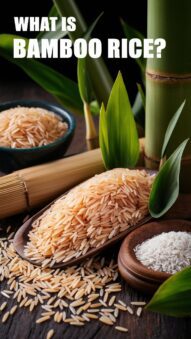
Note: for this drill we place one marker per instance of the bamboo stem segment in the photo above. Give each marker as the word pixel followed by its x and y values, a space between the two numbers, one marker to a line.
pixel 90 126
pixel 34 186
pixel 168 82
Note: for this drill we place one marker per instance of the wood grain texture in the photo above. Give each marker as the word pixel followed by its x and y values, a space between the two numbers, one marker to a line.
pixel 22 325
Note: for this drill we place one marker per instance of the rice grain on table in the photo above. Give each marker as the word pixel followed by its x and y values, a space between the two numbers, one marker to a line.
pixel 121 328
pixel 76 323
pixel 139 311
pixel 50 334
pixel 130 310
pixel 112 300
pixel 13 309
pixel 116 312
pixel 87 216
pixel 120 307
pixel 3 305
pixel 106 320
pixel 24 127
pixel 43 319
pixel 122 303
pixel 138 303
pixel 45 287
pixel 5 317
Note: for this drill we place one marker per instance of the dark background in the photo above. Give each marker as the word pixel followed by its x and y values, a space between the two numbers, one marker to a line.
pixel 134 12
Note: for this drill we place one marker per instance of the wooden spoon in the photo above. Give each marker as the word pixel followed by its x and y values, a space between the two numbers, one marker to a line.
pixel 21 238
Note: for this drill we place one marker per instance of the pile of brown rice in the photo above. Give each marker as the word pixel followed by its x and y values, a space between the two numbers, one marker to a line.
pixel 24 127
pixel 89 215
pixel 74 296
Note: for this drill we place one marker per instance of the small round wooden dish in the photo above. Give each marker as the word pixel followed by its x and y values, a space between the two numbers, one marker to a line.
pixel 131 269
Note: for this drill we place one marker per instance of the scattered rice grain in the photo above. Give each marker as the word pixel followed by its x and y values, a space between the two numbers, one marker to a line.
pixel 139 311
pixel 121 329
pixel 50 334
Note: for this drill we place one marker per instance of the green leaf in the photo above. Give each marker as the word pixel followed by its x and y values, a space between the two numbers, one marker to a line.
pixel 174 296
pixel 89 31
pixel 84 81
pixel 94 107
pixel 103 137
pixel 131 33
pixel 123 143
pixel 61 87
pixel 165 188
pixel 142 94
pixel 58 34
pixel 170 128
pixel 139 111
pixel 53 11
pixel 99 74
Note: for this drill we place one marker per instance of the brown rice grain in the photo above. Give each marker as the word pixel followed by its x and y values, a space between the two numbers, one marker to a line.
pixel 5 294
pixel 138 303
pixel 130 310
pixel 120 307
pixel 91 316
pixel 122 303
pixel 139 311
pixel 13 309
pixel 5 317
pixel 116 312
pixel 102 302
pixel 42 319
pixel 76 323
pixel 50 334
pixel 112 300
pixel 3 305
pixel 121 329
pixel 106 320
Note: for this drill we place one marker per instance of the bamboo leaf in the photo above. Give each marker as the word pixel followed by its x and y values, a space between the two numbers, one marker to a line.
pixel 84 81
pixel 53 11
pixel 103 137
pixel 131 33
pixel 89 31
pixel 171 127
pixel 123 142
pixel 165 188
pixel 58 34
pixel 61 87
pixel 139 111
pixel 99 74
pixel 86 88
pixel 94 107
pixel 173 296
pixel 142 94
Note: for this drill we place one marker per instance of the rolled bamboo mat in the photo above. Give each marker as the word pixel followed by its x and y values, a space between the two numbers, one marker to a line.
pixel 35 186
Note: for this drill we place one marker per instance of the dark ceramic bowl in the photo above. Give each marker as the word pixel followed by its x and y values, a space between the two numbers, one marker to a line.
pixel 12 159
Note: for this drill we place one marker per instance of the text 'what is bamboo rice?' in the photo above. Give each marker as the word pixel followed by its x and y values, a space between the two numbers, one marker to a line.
pixel 80 48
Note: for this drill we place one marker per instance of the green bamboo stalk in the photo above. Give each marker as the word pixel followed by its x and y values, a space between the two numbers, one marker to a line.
pixel 90 130
pixel 99 74
pixel 168 81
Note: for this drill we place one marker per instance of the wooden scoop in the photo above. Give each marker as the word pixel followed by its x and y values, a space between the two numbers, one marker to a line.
pixel 21 238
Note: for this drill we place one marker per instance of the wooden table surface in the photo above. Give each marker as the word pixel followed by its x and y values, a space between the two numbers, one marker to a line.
pixel 23 326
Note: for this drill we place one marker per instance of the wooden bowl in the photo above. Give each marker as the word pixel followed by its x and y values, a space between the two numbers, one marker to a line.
pixel 136 274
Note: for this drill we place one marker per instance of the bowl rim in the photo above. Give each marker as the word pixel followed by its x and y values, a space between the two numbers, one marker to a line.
pixel 131 262
pixel 52 107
